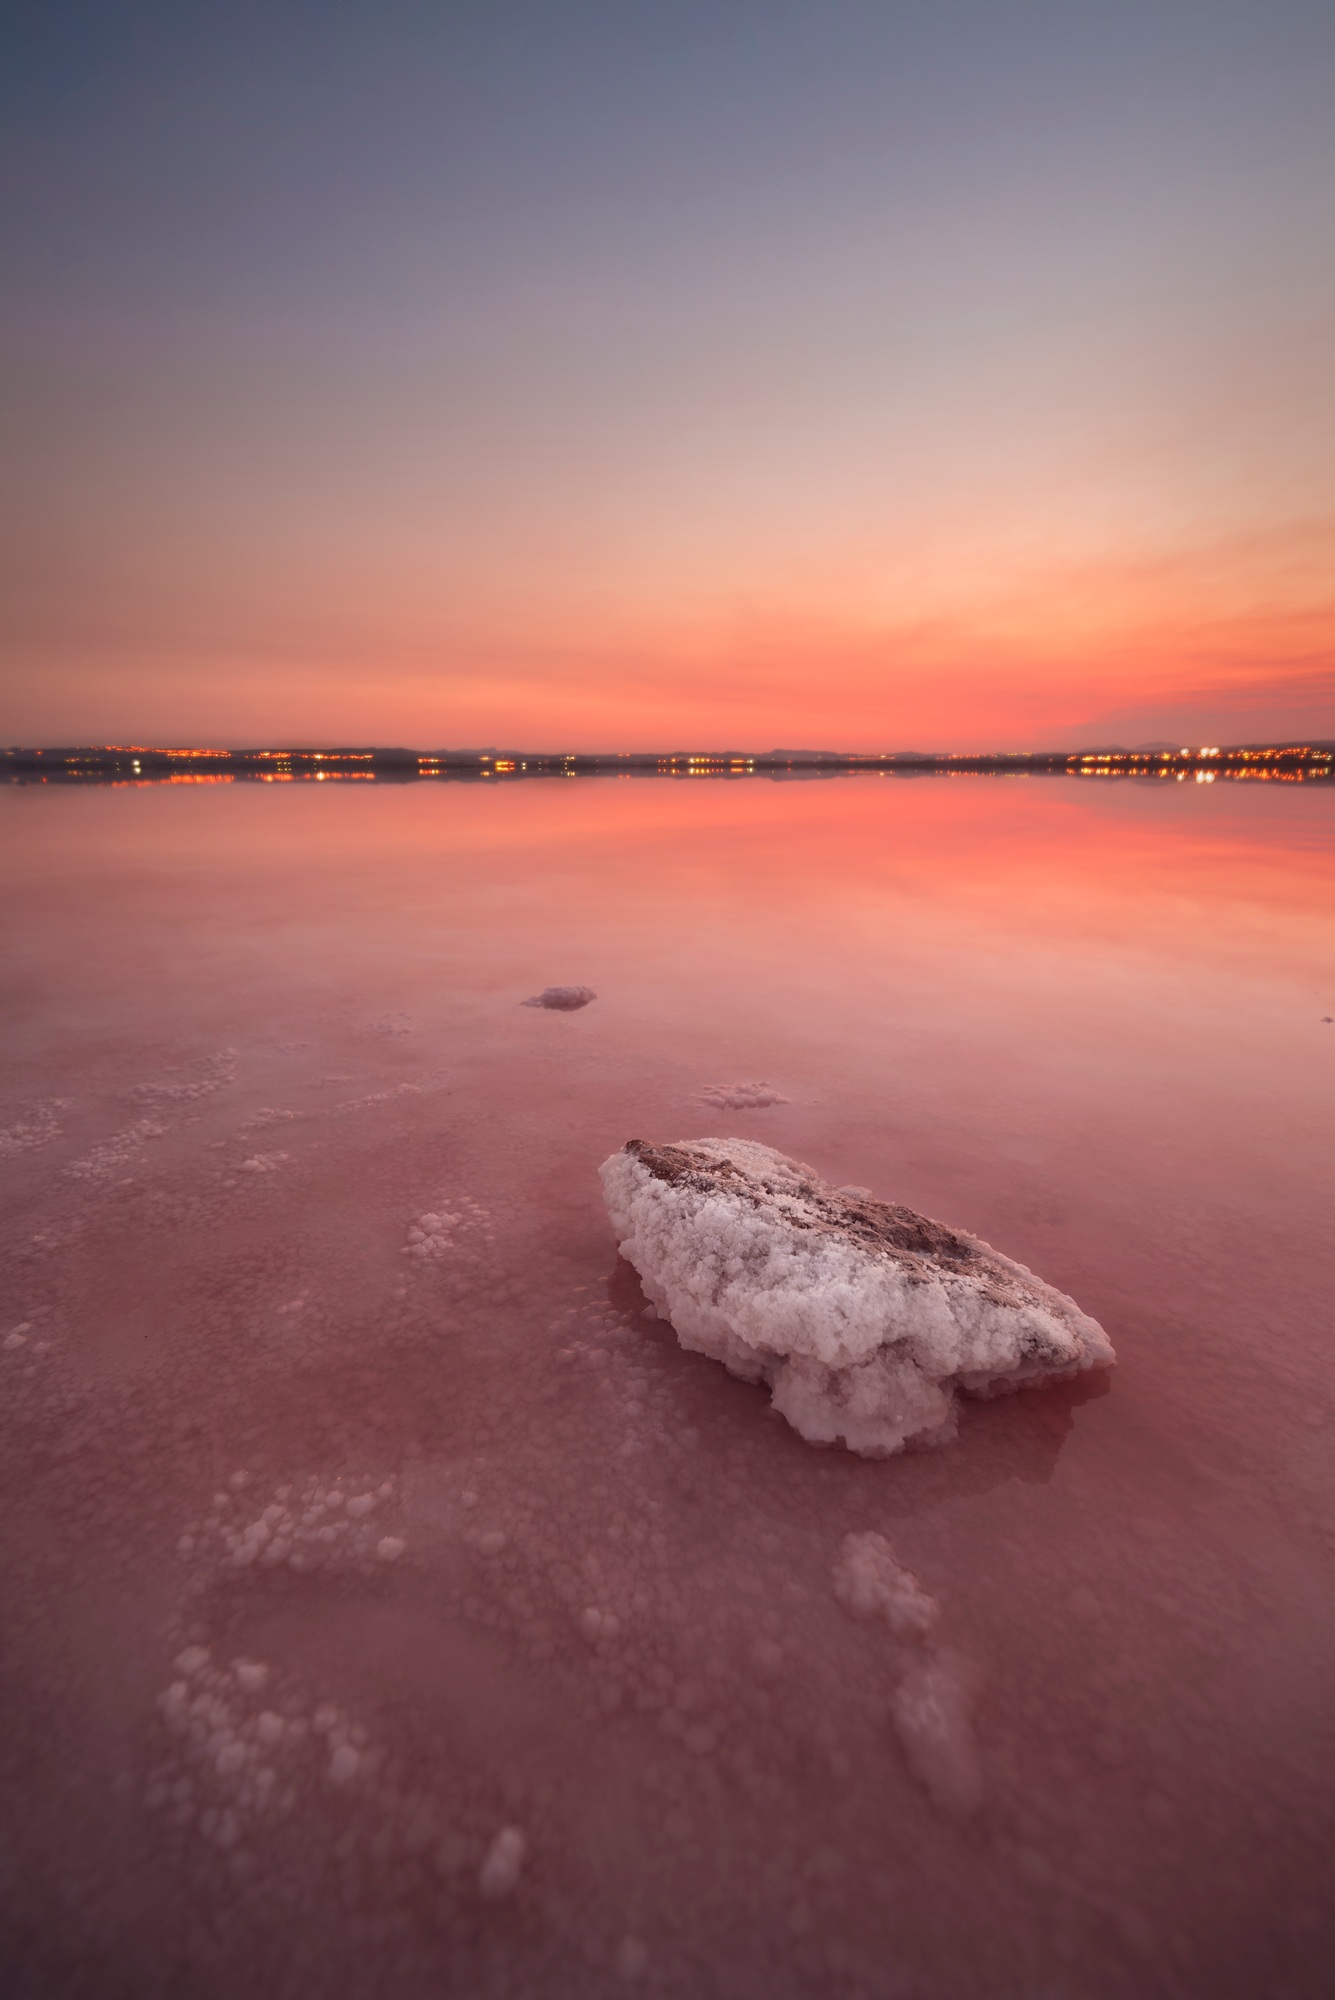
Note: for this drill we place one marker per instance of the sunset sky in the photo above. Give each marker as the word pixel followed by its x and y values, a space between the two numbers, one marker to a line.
pixel 723 372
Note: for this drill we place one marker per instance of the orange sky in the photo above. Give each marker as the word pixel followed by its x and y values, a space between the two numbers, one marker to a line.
pixel 866 382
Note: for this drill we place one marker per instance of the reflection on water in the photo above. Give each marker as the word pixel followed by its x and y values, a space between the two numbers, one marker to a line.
pixel 392 1604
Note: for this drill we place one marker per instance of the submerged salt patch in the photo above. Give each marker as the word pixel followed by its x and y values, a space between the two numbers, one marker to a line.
pixel 39 1128
pixel 440 1232
pixel 306 1528
pixel 865 1319
pixel 215 1074
pixel 741 1096
pixel 932 1712
pixel 499 1874
pixel 632 1959
pixel 120 1150
pixel 870 1582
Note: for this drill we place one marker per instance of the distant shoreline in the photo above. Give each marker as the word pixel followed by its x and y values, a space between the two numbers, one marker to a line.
pixel 124 764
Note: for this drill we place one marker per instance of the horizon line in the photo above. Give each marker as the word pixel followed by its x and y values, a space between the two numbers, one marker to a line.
pixel 491 753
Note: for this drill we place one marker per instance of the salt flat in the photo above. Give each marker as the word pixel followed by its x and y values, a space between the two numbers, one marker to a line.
pixel 393 1601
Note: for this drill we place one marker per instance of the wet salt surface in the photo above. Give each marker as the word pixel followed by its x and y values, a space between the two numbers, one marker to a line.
pixel 392 1604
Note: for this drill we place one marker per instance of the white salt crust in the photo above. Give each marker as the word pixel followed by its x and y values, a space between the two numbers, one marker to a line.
pixel 865 1319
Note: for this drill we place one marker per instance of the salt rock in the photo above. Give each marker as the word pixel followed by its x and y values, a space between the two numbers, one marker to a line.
pixel 865 1319
pixel 564 999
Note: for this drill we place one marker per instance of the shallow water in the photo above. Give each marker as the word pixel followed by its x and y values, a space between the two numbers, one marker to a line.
pixel 545 1684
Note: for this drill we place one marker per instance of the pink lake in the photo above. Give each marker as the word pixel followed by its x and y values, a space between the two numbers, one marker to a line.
pixel 393 1607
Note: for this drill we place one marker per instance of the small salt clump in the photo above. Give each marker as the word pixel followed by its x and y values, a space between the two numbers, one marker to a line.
pixel 869 1582
pixel 632 1958
pixel 563 999
pixel 499 1874
pixel 343 1765
pixel 429 1236
pixel 741 1096
pixel 439 1232
pixel 37 1130
pixel 865 1319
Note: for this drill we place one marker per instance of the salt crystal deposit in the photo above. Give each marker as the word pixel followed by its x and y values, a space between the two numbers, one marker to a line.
pixel 865 1319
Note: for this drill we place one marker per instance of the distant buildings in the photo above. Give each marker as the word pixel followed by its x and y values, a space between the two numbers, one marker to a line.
pixel 128 764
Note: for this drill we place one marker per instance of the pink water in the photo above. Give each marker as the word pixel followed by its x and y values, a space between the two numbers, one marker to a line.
pixel 254 1035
